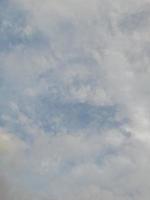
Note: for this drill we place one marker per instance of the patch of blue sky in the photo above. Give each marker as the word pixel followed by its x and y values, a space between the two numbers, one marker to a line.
pixel 52 112
pixel 74 116
pixel 13 23
pixel 53 116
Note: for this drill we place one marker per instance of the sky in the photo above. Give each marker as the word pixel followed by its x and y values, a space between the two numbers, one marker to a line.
pixel 74 99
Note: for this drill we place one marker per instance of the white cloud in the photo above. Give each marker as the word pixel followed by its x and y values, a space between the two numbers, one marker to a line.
pixel 79 53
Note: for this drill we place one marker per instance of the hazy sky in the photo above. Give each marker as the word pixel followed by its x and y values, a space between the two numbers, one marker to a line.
pixel 74 99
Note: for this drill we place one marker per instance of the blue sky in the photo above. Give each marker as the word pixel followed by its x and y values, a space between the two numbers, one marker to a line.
pixel 74 99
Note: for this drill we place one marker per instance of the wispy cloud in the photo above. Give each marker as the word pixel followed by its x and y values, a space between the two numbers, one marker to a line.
pixel 74 99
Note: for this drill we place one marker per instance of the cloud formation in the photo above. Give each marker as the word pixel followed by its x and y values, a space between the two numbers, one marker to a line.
pixel 74 103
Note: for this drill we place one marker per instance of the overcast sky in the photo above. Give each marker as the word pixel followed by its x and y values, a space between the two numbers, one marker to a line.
pixel 74 99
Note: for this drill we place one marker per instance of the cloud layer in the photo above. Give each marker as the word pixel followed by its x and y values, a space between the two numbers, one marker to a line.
pixel 74 103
